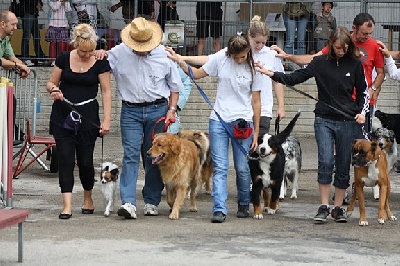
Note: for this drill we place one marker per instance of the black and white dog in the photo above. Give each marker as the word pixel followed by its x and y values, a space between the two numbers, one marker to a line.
pixel 267 172
pixel 109 185
pixel 293 160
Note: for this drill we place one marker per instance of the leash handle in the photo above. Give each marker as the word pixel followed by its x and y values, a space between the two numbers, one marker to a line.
pixel 166 125
pixel 277 120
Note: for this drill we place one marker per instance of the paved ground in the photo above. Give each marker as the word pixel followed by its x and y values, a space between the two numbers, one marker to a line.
pixel 288 238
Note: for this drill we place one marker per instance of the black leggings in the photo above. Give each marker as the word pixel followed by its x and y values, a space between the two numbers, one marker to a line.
pixel 66 164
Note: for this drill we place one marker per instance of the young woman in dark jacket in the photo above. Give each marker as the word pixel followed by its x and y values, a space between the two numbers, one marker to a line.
pixel 339 114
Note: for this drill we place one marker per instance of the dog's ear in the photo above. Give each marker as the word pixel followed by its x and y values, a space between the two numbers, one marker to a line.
pixel 392 135
pixel 374 134
pixel 106 168
pixel 114 171
pixel 175 144
pixel 374 146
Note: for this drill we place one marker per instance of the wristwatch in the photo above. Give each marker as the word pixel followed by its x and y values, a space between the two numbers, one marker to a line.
pixel 172 108
pixel 373 88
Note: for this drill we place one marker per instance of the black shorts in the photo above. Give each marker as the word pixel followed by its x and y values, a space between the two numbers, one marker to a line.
pixel 209 27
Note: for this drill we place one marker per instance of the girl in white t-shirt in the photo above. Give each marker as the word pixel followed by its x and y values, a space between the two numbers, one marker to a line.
pixel 258 35
pixel 238 97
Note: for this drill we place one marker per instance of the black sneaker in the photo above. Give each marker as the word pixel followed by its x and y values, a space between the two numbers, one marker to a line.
pixel 338 215
pixel 218 217
pixel 322 213
pixel 243 211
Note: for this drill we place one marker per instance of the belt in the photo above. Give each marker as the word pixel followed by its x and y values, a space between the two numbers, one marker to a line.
pixel 144 104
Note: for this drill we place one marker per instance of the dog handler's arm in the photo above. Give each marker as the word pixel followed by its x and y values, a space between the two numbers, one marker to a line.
pixel 297 59
pixel 362 96
pixel 195 60
pixel 173 102
pixel 256 103
pixel 52 84
pixel 279 94
pixel 105 87
pixel 197 72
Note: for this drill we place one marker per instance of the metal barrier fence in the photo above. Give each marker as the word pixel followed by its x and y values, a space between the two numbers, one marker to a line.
pixel 6 103
pixel 236 15
pixel 26 104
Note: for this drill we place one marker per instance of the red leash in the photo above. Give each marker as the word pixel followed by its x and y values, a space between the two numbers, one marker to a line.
pixel 165 126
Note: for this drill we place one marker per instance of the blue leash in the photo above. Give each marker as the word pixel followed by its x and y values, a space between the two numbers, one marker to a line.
pixel 230 133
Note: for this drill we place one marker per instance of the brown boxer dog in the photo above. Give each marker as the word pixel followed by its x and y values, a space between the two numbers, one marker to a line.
pixel 370 169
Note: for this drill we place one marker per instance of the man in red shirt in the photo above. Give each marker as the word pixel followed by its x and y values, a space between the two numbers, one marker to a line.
pixel 363 27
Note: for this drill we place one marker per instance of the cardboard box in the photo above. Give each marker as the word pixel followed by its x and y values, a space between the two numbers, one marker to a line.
pixel 261 9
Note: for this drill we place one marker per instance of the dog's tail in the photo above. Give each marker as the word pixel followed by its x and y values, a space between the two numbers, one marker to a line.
pixel 286 132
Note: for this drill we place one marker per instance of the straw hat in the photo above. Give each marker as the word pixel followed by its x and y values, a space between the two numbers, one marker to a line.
pixel 142 35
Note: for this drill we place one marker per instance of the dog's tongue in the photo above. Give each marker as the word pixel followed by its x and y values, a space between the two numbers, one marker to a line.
pixel 157 159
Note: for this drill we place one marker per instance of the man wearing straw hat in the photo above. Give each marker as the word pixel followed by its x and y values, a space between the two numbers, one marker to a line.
pixel 148 85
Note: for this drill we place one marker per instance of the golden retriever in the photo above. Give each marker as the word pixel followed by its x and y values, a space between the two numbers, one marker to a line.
pixel 179 165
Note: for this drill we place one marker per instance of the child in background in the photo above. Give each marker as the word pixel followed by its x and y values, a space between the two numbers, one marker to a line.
pixel 324 25
pixel 58 33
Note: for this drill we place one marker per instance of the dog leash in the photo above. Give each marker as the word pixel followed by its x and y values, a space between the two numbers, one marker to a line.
pixel 219 117
pixel 72 106
pixel 166 125
pixel 348 116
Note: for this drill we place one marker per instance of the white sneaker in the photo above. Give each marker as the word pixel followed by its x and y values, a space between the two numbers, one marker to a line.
pixel 29 63
pixel 150 210
pixel 127 210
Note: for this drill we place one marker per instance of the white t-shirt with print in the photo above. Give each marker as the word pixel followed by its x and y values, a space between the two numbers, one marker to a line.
pixel 268 59
pixel 235 84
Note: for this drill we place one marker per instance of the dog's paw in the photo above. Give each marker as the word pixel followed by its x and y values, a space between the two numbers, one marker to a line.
pixel 361 223
pixel 271 211
pixel 174 215
pixel 106 213
pixel 393 218
pixel 258 216
pixel 193 209
pixel 294 196
pixel 381 221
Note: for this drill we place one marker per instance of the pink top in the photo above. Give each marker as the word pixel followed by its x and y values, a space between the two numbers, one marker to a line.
pixel 58 18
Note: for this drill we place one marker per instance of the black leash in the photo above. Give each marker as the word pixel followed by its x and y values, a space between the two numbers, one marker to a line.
pixel 277 119
pixel 348 116
pixel 72 106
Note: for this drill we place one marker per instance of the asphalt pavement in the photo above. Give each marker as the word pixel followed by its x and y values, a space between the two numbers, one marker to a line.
pixel 287 238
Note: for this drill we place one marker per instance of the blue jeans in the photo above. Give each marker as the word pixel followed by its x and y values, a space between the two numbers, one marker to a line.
pixel 30 25
pixel 291 25
pixel 137 124
pixel 219 146
pixel 331 135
